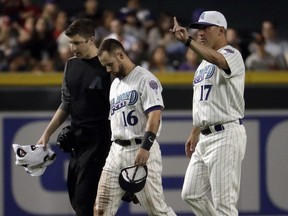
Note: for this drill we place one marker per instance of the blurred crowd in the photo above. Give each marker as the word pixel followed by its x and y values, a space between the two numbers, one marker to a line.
pixel 32 38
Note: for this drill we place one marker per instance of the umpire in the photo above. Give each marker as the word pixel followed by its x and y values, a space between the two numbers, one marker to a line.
pixel 85 97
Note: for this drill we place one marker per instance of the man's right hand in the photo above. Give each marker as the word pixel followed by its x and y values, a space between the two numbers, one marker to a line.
pixel 179 32
pixel 44 139
pixel 192 141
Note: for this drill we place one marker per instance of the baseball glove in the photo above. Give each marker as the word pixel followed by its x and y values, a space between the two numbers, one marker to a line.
pixel 66 139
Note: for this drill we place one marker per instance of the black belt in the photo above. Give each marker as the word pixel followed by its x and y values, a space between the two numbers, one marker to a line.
pixel 127 142
pixel 217 128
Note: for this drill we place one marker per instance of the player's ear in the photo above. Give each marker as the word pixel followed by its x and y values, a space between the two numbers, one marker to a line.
pixel 221 31
pixel 91 40
pixel 120 54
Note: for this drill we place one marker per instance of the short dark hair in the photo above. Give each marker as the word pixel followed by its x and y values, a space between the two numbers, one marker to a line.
pixel 272 22
pixel 110 45
pixel 82 26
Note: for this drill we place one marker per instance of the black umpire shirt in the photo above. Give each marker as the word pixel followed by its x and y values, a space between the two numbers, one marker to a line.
pixel 85 94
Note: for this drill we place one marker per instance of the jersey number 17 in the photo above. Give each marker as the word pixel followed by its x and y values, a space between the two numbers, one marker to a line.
pixel 205 91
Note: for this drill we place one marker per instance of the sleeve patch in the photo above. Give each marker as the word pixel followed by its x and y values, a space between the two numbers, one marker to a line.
pixel 153 84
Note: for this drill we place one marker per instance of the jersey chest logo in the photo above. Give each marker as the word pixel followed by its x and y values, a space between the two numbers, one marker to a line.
pixel 204 73
pixel 122 100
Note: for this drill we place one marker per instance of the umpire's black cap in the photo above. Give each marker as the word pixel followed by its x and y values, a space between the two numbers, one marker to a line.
pixel 133 178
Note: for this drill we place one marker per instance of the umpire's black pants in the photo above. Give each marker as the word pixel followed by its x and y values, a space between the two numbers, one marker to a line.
pixel 84 172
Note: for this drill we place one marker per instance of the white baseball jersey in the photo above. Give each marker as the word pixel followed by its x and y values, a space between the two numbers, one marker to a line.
pixel 130 97
pixel 218 96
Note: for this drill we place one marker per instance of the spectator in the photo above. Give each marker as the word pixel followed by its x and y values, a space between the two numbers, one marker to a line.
pixel 63 52
pixel 8 41
pixel 11 9
pixel 233 38
pixel 61 23
pixel 260 59
pixel 25 32
pixel 151 31
pixel 161 36
pixel 133 14
pixel 50 12
pixel 148 20
pixel 103 30
pixel 17 62
pixel 28 9
pixel 91 11
pixel 130 42
pixel 158 62
pixel 158 35
pixel 165 24
pixel 191 63
pixel 131 24
pixel 4 67
pixel 136 6
pixel 273 44
pixel 42 45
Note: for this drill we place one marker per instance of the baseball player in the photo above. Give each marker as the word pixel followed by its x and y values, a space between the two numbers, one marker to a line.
pixel 218 138
pixel 135 115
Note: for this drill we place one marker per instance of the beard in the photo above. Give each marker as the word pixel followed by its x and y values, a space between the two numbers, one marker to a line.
pixel 120 73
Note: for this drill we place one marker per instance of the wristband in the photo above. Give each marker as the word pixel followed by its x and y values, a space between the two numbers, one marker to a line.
pixel 189 39
pixel 148 141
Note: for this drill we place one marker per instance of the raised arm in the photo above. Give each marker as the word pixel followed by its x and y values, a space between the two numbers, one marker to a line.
pixel 206 53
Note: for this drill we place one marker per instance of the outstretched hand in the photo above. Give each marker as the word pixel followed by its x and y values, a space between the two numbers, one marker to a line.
pixel 178 31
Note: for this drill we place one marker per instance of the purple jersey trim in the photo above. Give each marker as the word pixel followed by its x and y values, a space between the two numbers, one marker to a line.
pixel 158 107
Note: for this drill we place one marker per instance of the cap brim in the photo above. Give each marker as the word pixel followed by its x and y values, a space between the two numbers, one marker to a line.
pixel 197 25
pixel 36 172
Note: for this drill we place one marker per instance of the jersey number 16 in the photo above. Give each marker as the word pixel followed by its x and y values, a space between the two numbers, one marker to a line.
pixel 130 119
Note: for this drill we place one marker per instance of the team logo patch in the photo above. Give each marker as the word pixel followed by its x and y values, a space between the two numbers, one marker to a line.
pixel 202 16
pixel 21 153
pixel 122 100
pixel 153 84
pixel 205 73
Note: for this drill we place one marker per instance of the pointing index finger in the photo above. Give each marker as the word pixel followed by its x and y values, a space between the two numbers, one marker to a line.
pixel 175 21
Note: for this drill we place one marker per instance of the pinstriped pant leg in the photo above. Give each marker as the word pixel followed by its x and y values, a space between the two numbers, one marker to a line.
pixel 225 163
pixel 152 196
pixel 109 193
pixel 196 185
